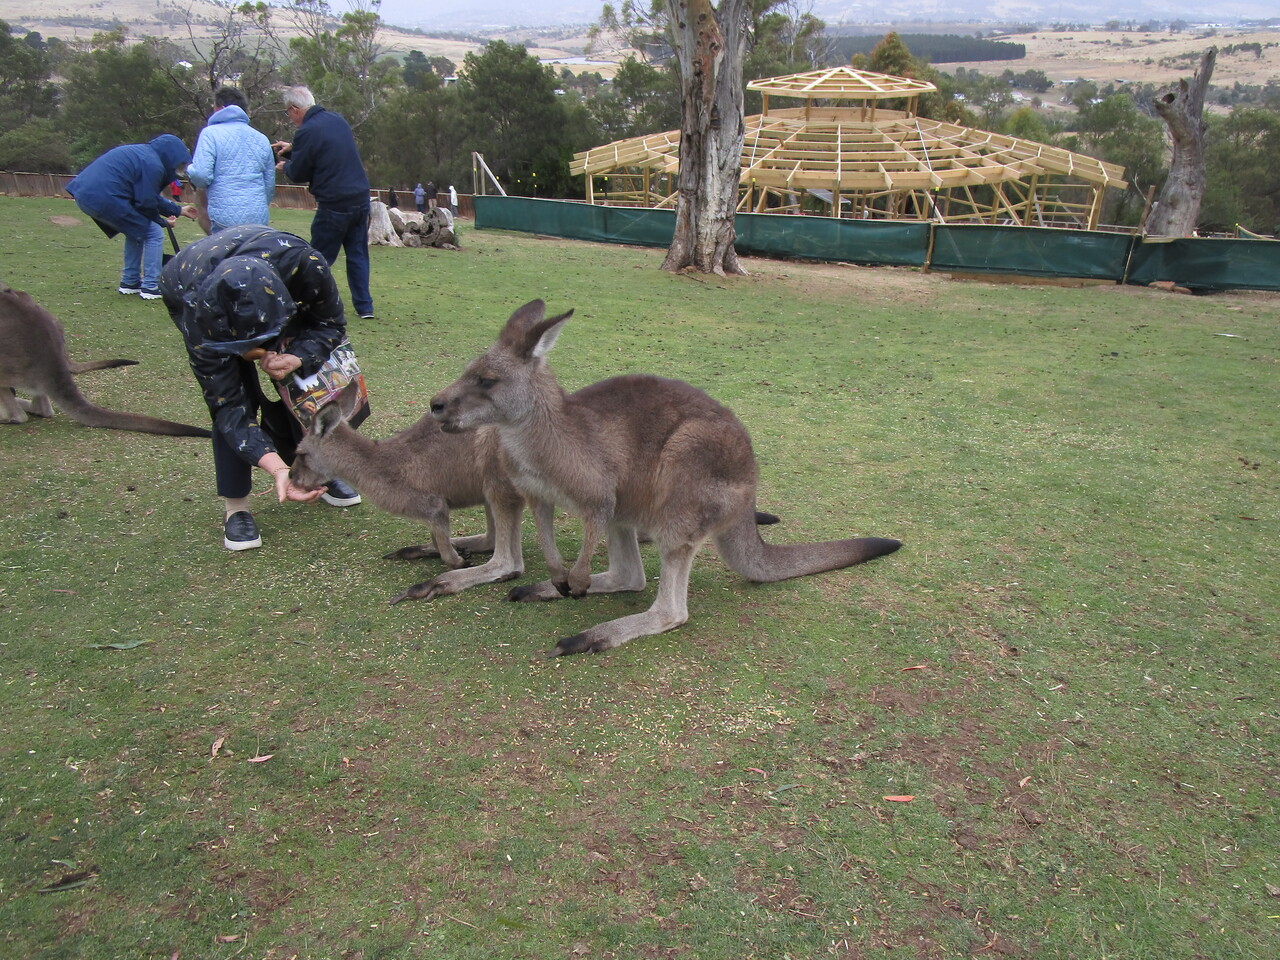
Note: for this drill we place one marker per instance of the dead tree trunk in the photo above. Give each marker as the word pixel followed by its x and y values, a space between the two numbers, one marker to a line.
pixel 381 231
pixel 709 46
pixel 1178 206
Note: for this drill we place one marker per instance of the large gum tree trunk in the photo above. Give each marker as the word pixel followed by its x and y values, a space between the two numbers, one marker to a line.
pixel 709 47
pixel 1178 206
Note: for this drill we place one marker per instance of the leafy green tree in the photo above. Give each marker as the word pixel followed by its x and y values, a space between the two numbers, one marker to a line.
pixel 1036 81
pixel 511 114
pixel 25 91
pixel 781 39
pixel 35 146
pixel 117 93
pixel 241 46
pixel 991 97
pixel 642 99
pixel 639 25
pixel 1115 130
pixel 1243 179
pixel 423 72
pixel 1027 124
pixel 892 56
pixel 346 68
pixel 413 136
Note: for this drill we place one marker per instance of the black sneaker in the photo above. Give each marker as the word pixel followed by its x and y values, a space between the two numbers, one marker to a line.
pixel 150 293
pixel 128 290
pixel 339 495
pixel 240 532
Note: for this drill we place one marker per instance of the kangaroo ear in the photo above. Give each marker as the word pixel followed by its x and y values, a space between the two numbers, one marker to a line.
pixel 348 399
pixel 326 419
pixel 515 334
pixel 545 334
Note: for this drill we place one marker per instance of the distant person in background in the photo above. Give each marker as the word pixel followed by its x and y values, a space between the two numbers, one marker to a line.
pixel 392 199
pixel 175 189
pixel 420 198
pixel 233 162
pixel 431 194
pixel 120 190
pixel 453 201
pixel 325 157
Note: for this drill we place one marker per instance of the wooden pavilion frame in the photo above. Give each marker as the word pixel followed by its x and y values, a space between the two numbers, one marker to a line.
pixel 845 153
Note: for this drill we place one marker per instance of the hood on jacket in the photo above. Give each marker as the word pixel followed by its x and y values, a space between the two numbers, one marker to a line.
pixel 242 304
pixel 173 154
pixel 229 114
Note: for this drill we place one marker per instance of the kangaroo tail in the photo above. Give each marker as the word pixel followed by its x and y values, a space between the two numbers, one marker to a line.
pixel 100 365
pixel 94 416
pixel 743 550
pixel 74 403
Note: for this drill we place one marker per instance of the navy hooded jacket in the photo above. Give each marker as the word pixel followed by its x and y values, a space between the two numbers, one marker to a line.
pixel 121 188
pixel 325 157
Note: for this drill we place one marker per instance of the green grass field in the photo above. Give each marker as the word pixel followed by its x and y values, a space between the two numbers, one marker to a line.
pixel 1071 666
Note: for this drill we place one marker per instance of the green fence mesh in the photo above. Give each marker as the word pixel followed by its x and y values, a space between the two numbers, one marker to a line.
pixel 1200 264
pixel 1208 264
pixel 892 243
pixel 1029 251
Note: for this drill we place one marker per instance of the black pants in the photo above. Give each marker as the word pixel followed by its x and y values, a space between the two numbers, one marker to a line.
pixel 234 476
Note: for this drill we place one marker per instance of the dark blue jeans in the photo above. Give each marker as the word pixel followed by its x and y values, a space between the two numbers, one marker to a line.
pixel 347 228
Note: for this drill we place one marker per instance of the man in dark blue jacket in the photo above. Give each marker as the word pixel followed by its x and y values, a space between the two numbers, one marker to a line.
pixel 239 293
pixel 120 190
pixel 324 156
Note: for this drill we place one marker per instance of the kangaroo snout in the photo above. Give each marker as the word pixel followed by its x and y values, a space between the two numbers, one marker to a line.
pixel 440 411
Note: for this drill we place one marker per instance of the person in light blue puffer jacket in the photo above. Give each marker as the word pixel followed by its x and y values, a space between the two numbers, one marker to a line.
pixel 234 162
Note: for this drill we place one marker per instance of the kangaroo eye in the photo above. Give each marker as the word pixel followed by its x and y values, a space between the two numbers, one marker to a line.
pixel 486 383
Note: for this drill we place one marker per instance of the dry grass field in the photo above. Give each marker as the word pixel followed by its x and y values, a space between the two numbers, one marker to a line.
pixel 1108 57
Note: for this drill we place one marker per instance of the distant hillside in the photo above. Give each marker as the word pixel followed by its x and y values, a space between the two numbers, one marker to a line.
pixel 183 20
pixel 936 48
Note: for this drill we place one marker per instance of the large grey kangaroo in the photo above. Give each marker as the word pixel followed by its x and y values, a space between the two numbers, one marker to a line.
pixel 422 473
pixel 34 360
pixel 632 454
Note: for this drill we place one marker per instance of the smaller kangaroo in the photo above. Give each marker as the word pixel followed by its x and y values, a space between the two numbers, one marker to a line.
pixel 34 360
pixel 632 454
pixel 422 473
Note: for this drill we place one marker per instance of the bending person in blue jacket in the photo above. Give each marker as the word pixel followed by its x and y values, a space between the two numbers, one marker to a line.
pixel 121 191
pixel 234 163
pixel 324 156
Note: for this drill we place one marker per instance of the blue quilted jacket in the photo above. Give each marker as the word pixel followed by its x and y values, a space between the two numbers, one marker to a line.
pixel 234 162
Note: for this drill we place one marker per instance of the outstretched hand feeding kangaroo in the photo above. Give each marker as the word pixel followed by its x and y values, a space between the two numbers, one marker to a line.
pixel 629 455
